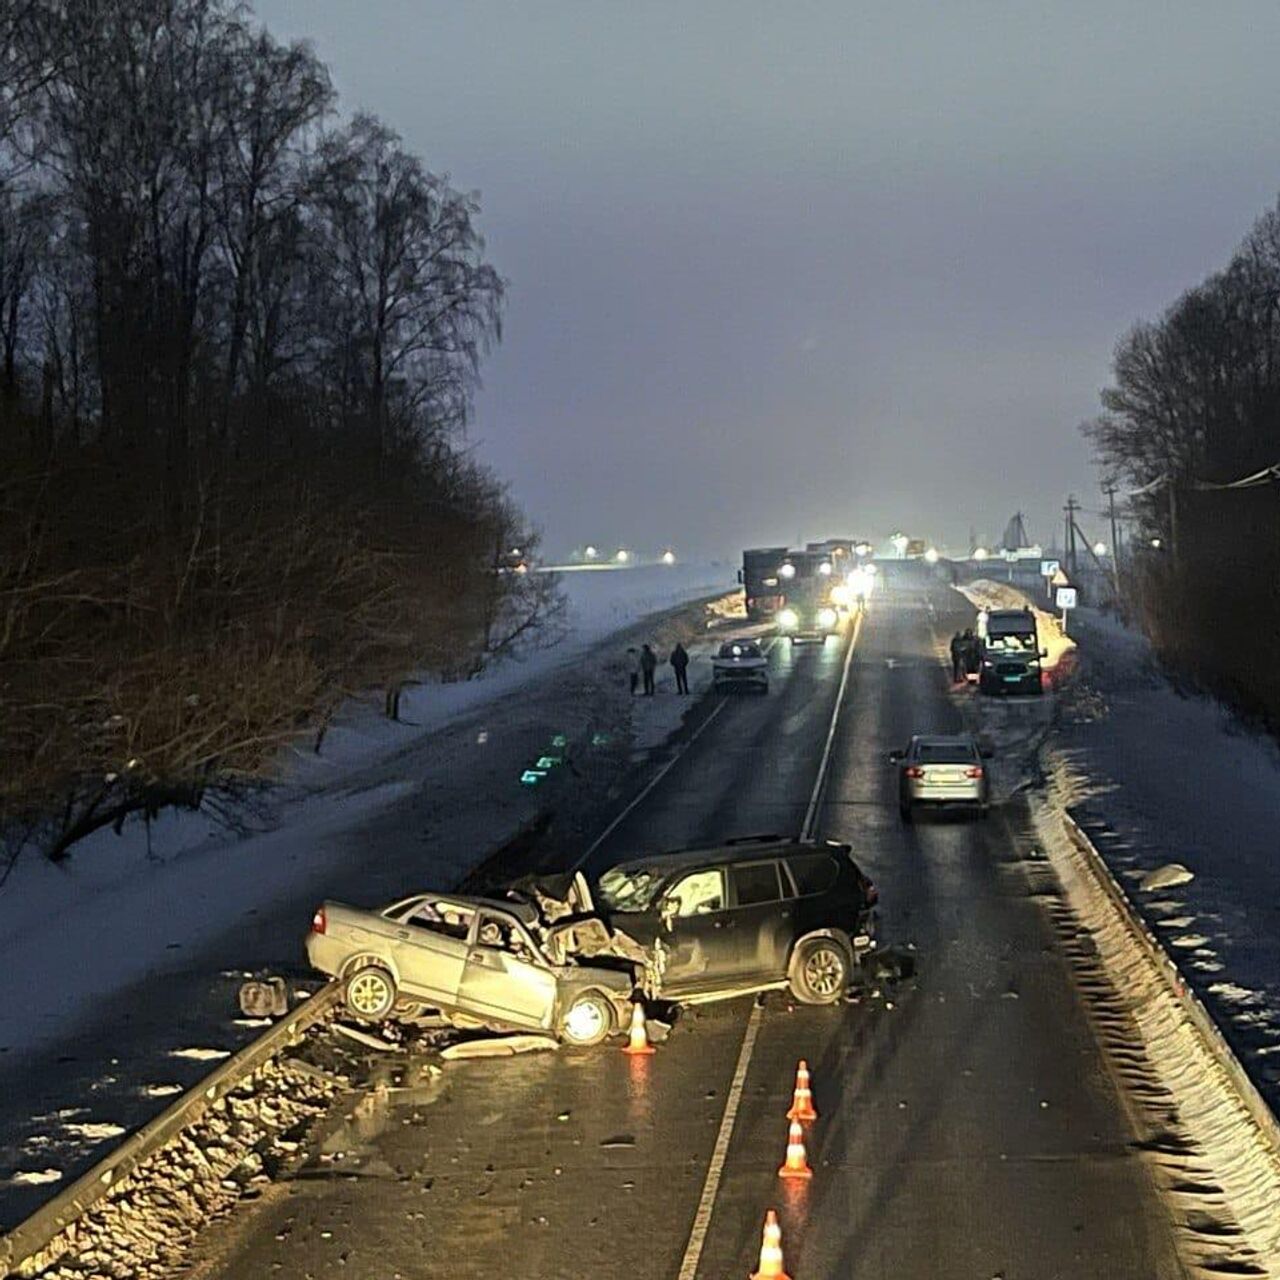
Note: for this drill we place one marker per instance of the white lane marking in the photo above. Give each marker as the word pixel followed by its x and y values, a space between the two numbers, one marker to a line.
pixel 657 778
pixel 811 813
pixel 720 1152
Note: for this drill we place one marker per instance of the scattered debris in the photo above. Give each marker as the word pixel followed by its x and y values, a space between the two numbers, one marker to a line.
pixel 33 1177
pixel 1166 877
pixel 200 1055
pixel 364 1038
pixel 264 998
pixel 498 1046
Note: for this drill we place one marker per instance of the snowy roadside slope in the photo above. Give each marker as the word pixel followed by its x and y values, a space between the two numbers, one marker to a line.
pixel 121 965
pixel 1155 777
pixel 130 902
pixel 600 602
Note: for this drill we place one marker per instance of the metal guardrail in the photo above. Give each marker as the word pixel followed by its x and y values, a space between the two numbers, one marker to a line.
pixel 34 1234
pixel 1165 965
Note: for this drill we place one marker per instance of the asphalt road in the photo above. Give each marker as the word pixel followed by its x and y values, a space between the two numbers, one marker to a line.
pixel 968 1126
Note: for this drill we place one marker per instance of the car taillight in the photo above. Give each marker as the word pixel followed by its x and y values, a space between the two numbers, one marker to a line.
pixel 318 921
pixel 914 771
pixel 974 771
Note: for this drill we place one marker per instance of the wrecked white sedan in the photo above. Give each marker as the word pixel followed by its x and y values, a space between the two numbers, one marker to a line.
pixel 512 963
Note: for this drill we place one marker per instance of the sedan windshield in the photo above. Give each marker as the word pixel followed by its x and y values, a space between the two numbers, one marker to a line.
pixel 945 753
pixel 628 888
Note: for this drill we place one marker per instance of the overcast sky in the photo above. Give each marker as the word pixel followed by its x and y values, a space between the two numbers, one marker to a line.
pixel 816 269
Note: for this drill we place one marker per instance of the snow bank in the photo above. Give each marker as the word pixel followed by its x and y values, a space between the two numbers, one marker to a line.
pixel 1218 1166
pixel 1158 779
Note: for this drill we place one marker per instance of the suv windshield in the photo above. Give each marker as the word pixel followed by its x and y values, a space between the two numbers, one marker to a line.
pixel 628 888
pixel 740 649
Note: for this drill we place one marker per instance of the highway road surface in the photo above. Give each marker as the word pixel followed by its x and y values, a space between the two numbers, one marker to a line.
pixel 969 1127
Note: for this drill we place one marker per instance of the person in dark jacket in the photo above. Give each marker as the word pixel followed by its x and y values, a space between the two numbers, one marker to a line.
pixel 634 673
pixel 972 652
pixel 957 658
pixel 680 665
pixel 648 665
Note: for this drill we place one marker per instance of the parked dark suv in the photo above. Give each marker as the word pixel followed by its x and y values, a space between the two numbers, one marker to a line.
pixel 747 916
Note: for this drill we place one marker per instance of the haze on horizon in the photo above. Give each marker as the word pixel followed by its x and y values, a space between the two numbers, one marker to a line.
pixel 783 272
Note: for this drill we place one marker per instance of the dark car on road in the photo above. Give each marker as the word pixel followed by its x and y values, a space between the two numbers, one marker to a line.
pixel 746 916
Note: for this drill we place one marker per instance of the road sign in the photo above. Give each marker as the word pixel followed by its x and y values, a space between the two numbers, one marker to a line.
pixel 1048 568
pixel 1066 598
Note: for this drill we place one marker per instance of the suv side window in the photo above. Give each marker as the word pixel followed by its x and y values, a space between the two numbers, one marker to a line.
pixel 813 872
pixel 699 893
pixel 756 882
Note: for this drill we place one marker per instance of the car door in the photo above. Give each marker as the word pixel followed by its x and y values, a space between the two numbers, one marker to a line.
pixel 762 907
pixel 431 947
pixel 699 940
pixel 503 977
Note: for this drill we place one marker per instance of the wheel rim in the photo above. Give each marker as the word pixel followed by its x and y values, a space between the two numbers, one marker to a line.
pixel 584 1021
pixel 368 993
pixel 823 971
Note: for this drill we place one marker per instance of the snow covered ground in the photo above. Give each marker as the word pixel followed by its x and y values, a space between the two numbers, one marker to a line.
pixel 1157 777
pixel 600 601
pixel 105 917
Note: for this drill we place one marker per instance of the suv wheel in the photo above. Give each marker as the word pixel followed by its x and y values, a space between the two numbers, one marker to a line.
pixel 370 993
pixel 820 971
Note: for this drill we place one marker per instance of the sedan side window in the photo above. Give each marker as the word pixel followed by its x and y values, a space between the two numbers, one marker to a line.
pixel 699 893
pixel 755 883
pixel 447 918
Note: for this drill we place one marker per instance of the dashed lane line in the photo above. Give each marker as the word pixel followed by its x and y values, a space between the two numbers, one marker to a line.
pixel 811 813
pixel 653 782
pixel 720 1152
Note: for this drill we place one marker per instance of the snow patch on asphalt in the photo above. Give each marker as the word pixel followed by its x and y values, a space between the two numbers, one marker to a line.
pixel 32 1178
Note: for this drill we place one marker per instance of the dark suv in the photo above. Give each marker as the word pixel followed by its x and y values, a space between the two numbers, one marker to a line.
pixel 747 916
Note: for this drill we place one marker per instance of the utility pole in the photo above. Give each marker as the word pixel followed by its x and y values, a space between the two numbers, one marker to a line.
pixel 1110 491
pixel 1070 509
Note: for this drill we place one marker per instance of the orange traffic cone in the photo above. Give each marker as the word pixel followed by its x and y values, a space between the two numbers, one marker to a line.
pixel 639 1039
pixel 771 1251
pixel 796 1165
pixel 802 1101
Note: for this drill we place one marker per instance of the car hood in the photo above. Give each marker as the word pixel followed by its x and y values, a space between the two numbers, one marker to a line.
pixel 571 931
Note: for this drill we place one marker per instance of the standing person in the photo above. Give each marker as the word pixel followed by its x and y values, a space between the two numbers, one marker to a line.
pixel 972 652
pixel 648 665
pixel 957 652
pixel 680 665
pixel 634 672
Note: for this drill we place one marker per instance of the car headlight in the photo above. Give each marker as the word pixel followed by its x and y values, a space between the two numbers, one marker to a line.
pixel 827 617
pixel 789 619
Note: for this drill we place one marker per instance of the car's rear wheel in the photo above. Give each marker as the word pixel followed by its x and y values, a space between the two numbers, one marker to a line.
pixel 587 1021
pixel 820 971
pixel 370 992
